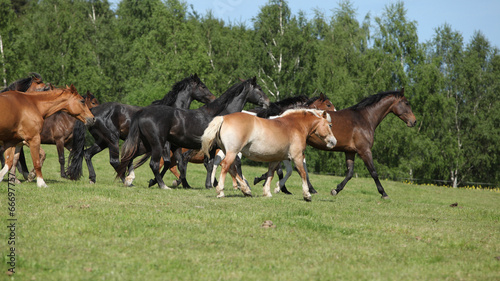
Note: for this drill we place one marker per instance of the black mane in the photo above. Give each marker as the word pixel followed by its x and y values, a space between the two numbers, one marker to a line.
pixel 22 84
pixel 170 98
pixel 276 108
pixel 228 95
pixel 373 99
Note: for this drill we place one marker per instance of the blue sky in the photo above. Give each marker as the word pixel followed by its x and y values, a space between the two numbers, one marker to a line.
pixel 464 16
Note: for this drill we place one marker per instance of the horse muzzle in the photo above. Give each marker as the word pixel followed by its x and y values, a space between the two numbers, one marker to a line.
pixel 411 123
pixel 89 121
pixel 331 142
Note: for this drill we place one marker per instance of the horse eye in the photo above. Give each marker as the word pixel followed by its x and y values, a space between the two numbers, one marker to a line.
pixel 82 101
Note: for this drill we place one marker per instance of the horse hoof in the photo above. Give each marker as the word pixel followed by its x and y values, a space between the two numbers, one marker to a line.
pixel 308 198
pixel 386 197
pixel 220 195
pixel 269 195
pixel 151 183
pixel 248 194
pixel 165 187
pixel 333 192
pixel 174 183
pixel 92 182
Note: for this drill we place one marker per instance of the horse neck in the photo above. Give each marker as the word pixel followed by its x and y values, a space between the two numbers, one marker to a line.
pixel 183 100
pixel 222 106
pixel 48 103
pixel 374 114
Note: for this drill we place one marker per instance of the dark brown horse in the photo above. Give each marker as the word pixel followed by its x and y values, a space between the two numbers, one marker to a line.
pixel 22 116
pixel 354 128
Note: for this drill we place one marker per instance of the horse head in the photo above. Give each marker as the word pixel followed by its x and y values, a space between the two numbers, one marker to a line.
pixel 256 95
pixel 76 106
pixel 322 103
pixel 402 109
pixel 90 100
pixel 199 91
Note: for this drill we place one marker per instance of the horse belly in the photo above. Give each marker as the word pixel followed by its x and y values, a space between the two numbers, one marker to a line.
pixel 265 151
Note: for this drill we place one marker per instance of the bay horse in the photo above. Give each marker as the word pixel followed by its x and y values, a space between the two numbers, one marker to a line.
pixel 354 128
pixel 57 129
pixel 32 83
pixel 22 118
pixel 164 128
pixel 113 120
pixel 275 108
pixel 267 140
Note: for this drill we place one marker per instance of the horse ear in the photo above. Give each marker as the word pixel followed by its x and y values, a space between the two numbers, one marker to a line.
pixel 72 88
pixel 322 96
pixel 254 80
pixel 403 91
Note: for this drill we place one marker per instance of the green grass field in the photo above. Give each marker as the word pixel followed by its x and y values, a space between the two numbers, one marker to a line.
pixel 78 231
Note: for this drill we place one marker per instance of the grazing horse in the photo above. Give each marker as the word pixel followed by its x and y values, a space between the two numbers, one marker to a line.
pixel 267 140
pixel 164 128
pixel 113 121
pixel 354 128
pixel 22 118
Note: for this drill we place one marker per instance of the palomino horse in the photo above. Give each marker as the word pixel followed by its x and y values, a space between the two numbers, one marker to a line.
pixel 57 129
pixel 113 121
pixel 267 140
pixel 159 127
pixel 275 108
pixel 354 128
pixel 22 117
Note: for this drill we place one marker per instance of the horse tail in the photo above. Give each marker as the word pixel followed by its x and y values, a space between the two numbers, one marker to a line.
pixel 130 146
pixel 210 134
pixel 142 160
pixel 75 159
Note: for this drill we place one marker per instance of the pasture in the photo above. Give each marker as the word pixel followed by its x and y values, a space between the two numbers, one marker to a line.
pixel 78 231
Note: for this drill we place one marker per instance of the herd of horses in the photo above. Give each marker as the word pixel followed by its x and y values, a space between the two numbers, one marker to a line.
pixel 170 134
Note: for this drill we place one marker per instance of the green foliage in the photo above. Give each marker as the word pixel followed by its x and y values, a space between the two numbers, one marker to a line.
pixel 136 53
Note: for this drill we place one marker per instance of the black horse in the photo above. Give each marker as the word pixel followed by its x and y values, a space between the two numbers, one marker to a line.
pixel 113 120
pixel 162 128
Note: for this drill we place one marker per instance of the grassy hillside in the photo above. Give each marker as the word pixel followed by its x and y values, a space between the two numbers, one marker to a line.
pixel 78 231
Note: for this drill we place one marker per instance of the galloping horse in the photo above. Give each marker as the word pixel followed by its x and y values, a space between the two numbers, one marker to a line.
pixel 113 121
pixel 320 102
pixel 275 108
pixel 22 117
pixel 354 128
pixel 57 129
pixel 267 140
pixel 159 127
pixel 32 83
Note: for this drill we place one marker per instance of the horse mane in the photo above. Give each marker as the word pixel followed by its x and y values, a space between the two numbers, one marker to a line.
pixel 276 108
pixel 170 98
pixel 373 99
pixel 22 84
pixel 316 112
pixel 228 95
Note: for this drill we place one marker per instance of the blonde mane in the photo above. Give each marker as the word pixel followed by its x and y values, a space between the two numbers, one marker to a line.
pixel 318 113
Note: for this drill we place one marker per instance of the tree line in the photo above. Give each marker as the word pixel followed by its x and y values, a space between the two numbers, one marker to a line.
pixel 135 53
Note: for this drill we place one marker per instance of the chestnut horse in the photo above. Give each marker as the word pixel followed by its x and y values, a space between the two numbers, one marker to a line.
pixel 267 140
pixel 354 128
pixel 57 129
pixel 275 108
pixel 22 116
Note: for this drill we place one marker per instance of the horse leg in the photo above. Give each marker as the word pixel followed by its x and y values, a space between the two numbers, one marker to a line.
pixel 60 154
pixel 225 167
pixel 209 165
pixel 182 166
pixel 367 158
pixel 175 172
pixel 21 165
pixel 349 161
pixel 217 159
pixel 9 159
pixel 299 164
pixel 280 185
pixel 15 161
pixel 239 172
pixel 311 188
pixel 154 164
pixel 35 151
pixel 270 174
pixel 88 154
